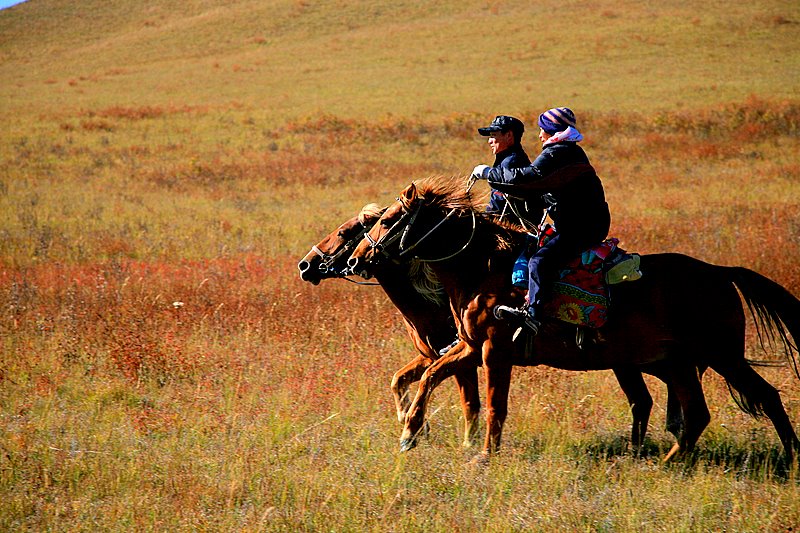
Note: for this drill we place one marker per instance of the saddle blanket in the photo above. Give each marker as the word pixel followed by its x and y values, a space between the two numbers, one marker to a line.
pixel 580 294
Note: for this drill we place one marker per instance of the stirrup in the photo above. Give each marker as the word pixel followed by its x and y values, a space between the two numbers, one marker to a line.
pixel 449 346
pixel 505 312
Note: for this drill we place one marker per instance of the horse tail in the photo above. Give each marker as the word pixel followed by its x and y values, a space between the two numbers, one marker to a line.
pixel 775 310
pixel 776 313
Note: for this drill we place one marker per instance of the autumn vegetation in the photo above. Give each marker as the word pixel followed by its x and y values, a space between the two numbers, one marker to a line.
pixel 163 169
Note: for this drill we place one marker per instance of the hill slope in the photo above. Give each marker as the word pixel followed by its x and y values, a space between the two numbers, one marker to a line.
pixel 292 58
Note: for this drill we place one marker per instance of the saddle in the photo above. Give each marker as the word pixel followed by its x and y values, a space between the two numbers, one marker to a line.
pixel 580 294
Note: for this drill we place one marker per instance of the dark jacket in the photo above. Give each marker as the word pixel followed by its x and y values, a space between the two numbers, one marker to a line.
pixel 563 170
pixel 514 157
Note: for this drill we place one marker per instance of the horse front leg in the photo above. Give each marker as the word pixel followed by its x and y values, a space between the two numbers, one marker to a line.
pixel 455 360
pixel 402 380
pixel 467 380
pixel 641 402
pixel 498 381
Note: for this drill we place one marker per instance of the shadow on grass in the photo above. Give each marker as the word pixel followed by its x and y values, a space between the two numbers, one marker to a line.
pixel 756 460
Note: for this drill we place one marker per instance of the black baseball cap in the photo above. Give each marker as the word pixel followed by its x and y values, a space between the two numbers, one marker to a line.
pixel 503 123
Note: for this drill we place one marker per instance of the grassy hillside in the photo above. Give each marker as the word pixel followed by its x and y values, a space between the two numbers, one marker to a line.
pixel 295 58
pixel 164 165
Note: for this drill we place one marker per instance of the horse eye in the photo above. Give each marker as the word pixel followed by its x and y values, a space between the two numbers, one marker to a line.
pixel 386 222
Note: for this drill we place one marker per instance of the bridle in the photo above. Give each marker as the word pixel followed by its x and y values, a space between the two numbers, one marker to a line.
pixel 327 266
pixel 328 261
pixel 401 230
pixel 393 233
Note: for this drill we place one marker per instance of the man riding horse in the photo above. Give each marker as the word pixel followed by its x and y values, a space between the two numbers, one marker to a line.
pixel 562 177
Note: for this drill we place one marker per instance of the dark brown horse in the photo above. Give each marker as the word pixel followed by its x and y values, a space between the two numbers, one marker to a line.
pixel 327 260
pixel 423 306
pixel 683 314
pixel 430 325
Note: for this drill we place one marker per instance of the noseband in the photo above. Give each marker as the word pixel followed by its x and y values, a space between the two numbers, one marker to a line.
pixel 329 260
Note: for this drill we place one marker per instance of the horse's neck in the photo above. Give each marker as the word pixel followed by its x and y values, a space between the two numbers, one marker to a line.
pixel 481 258
pixel 461 281
pixel 409 297
pixel 484 262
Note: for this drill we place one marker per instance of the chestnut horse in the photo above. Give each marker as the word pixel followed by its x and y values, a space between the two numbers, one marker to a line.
pixel 426 313
pixel 682 314
pixel 430 325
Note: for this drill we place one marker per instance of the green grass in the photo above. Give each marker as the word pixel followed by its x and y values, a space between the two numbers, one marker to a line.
pixel 153 154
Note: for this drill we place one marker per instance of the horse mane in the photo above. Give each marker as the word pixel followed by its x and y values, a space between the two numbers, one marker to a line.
pixel 443 193
pixel 426 283
pixel 422 278
pixel 507 233
pixel 451 193
pixel 370 212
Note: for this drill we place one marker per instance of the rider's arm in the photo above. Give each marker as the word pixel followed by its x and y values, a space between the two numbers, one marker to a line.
pixel 527 174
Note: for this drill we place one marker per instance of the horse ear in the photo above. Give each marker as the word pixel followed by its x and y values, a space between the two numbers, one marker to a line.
pixel 409 194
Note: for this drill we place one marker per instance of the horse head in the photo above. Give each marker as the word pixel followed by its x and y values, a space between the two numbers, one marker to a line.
pixel 420 225
pixel 328 258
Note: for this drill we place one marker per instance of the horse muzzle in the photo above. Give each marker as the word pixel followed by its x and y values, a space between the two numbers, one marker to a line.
pixel 359 267
pixel 307 273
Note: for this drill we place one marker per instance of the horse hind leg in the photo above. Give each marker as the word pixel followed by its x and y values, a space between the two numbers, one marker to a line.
pixel 761 397
pixel 686 385
pixel 674 421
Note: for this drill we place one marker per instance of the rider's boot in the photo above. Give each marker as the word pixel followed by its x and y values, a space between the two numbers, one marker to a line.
pixel 524 316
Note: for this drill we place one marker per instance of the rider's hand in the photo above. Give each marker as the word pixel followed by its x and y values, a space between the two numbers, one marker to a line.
pixel 481 172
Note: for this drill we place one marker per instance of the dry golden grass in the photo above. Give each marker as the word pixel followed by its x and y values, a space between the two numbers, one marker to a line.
pixel 164 367
pixel 162 170
pixel 282 58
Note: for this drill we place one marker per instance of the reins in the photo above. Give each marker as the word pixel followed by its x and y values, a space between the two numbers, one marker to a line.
pixel 536 230
pixel 391 235
pixel 348 247
pixel 379 245
pixel 439 259
pixel 367 283
pixel 421 239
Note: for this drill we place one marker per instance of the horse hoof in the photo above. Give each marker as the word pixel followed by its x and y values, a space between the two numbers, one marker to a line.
pixel 407 445
pixel 481 459
pixel 676 450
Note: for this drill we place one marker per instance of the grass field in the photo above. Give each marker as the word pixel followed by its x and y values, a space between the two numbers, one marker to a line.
pixel 163 167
